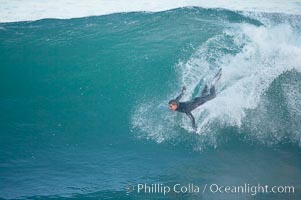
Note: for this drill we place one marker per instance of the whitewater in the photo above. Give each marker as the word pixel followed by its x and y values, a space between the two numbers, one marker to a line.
pixel 253 58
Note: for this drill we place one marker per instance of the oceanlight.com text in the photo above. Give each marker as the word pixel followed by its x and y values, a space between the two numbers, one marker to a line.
pixel 159 188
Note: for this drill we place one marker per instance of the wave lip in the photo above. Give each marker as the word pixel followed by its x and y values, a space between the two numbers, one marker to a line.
pixel 29 10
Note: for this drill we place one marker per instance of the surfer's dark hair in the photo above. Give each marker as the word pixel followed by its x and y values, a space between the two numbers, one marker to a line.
pixel 173 102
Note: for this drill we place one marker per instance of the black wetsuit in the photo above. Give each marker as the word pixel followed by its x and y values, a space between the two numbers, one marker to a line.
pixel 188 106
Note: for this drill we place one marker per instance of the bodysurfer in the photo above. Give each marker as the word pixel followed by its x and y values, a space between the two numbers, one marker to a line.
pixel 188 106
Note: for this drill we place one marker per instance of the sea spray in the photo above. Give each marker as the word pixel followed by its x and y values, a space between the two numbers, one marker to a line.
pixel 252 57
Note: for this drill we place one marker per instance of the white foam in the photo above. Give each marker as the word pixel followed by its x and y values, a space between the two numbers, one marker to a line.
pixel 267 52
pixel 27 10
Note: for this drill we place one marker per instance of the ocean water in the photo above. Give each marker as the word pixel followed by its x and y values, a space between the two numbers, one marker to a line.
pixel 84 103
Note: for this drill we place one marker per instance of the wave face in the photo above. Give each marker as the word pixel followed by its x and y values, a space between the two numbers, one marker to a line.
pixel 84 102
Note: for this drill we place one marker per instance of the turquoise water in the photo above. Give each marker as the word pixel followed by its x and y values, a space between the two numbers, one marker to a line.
pixel 83 104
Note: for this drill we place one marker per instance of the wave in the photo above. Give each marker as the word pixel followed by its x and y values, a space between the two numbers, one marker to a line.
pixel 15 10
pixel 73 89
pixel 254 58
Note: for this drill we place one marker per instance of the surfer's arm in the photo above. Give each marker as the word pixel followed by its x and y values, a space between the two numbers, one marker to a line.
pixel 189 114
pixel 182 93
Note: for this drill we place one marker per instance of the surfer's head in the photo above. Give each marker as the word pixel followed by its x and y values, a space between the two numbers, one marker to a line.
pixel 173 105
